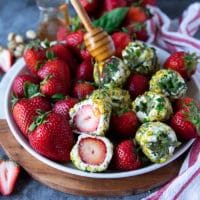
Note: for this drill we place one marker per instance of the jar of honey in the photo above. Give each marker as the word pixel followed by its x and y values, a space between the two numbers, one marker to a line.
pixel 53 15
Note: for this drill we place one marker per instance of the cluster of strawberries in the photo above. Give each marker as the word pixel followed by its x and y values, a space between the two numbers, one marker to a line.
pixel 61 74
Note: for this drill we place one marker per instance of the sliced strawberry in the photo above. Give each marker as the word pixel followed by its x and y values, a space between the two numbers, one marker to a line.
pixel 9 171
pixel 87 118
pixel 92 151
pixel 6 59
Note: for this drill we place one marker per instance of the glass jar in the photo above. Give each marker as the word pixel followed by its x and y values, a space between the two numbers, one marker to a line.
pixel 53 15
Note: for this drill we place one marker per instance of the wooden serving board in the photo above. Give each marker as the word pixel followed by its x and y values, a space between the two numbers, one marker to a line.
pixel 74 184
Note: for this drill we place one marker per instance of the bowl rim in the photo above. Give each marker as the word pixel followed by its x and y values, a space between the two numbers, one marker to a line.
pixel 19 66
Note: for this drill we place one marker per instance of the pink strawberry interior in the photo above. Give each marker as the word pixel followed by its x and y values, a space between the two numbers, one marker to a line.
pixel 87 118
pixel 92 151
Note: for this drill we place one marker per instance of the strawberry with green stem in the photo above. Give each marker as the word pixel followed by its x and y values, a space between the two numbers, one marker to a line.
pixel 186 122
pixel 183 62
pixel 51 136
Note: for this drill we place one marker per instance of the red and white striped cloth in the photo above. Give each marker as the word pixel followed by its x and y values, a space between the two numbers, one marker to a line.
pixel 174 35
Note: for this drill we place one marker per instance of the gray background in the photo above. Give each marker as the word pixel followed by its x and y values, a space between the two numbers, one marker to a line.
pixel 18 16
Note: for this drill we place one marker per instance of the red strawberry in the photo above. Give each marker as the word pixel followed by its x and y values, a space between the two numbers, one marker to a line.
pixel 149 2
pixel 137 31
pixel 121 40
pixel 25 85
pixel 51 86
pixel 52 137
pixel 124 126
pixel 9 172
pixel 82 89
pixel 75 41
pixel 89 5
pixel 137 84
pixel 181 103
pixel 34 56
pixel 112 4
pixel 63 53
pixel 92 151
pixel 62 106
pixel 62 33
pixel 6 59
pixel 137 14
pixel 124 157
pixel 186 122
pixel 182 62
pixel 25 110
pixel 58 69
pixel 85 71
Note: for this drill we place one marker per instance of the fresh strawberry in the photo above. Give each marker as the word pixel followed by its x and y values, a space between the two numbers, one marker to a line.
pixel 25 110
pixel 85 71
pixel 62 33
pixel 58 69
pixel 63 53
pixel 120 40
pixel 112 4
pixel 137 31
pixel 137 84
pixel 51 86
pixel 82 89
pixel 9 172
pixel 75 41
pixel 34 56
pixel 137 14
pixel 92 151
pixel 182 102
pixel 125 157
pixel 148 2
pixel 52 137
pixel 89 5
pixel 63 106
pixel 25 85
pixel 186 122
pixel 182 62
pixel 87 119
pixel 6 59
pixel 124 125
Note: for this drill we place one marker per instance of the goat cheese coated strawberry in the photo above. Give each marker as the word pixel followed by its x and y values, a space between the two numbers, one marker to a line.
pixel 90 116
pixel 152 106
pixel 157 141
pixel 92 153
pixel 141 58
pixel 168 82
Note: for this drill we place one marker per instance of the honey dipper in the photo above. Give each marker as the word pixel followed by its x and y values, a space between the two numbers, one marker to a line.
pixel 97 41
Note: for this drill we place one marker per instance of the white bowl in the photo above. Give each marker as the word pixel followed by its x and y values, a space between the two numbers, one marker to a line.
pixel 19 67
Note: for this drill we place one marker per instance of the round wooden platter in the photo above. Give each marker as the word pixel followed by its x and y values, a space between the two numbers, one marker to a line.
pixel 84 186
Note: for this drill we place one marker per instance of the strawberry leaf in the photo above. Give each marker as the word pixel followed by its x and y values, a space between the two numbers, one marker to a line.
pixel 30 89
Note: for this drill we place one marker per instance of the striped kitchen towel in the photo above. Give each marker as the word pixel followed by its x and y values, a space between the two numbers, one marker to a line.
pixel 178 35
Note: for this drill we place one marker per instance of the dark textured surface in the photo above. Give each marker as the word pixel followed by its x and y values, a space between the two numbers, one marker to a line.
pixel 19 16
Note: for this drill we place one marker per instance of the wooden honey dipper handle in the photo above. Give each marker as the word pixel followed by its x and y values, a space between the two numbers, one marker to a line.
pixel 83 15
